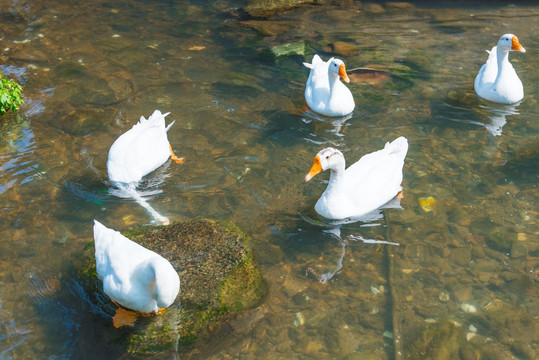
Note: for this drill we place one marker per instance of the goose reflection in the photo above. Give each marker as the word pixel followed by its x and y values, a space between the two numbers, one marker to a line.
pixel 474 114
pixel 334 229
pixel 497 114
pixel 337 122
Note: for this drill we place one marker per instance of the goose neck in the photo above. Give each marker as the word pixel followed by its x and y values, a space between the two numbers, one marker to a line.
pixel 502 59
pixel 336 174
pixel 333 80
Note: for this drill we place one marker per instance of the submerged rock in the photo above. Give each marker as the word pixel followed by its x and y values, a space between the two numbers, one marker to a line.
pixel 295 48
pixel 501 240
pixel 268 27
pixel 219 278
pixel 259 8
pixel 438 341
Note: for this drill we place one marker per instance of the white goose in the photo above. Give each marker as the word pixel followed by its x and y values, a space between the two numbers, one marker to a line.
pixel 324 92
pixel 138 152
pixel 497 81
pixel 365 186
pixel 132 275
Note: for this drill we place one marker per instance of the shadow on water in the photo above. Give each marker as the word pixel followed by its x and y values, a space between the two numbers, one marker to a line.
pixel 76 316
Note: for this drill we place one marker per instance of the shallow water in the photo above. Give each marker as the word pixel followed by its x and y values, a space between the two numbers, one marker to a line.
pixel 90 71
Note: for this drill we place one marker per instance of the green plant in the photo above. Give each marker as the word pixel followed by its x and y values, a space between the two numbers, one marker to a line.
pixel 10 95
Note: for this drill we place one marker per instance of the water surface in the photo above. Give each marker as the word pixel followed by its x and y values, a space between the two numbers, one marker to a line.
pixel 89 72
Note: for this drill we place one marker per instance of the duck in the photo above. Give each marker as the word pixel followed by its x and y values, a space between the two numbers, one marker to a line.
pixel 140 150
pixel 325 94
pixel 133 276
pixel 497 80
pixel 363 187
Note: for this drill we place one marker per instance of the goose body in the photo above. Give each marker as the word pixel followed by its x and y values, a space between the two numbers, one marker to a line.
pixel 497 80
pixel 365 186
pixel 140 150
pixel 133 276
pixel 324 92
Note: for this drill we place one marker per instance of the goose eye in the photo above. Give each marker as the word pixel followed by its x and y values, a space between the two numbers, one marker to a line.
pixel 327 157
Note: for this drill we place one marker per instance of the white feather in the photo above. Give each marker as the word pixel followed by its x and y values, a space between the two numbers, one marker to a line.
pixel 132 275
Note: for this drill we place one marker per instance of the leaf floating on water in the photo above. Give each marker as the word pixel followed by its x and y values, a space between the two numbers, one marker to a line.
pixel 426 203
pixel 197 48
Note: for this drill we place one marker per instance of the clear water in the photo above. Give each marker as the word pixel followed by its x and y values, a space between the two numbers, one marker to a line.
pixel 89 72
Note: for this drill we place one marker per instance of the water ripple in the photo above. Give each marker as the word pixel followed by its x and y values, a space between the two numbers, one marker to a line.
pixel 17 146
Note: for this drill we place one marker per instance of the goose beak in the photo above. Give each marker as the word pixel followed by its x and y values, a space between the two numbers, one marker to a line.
pixel 315 169
pixel 344 76
pixel 514 46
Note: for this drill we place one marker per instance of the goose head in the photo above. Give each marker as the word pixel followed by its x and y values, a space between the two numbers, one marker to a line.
pixel 510 42
pixel 337 68
pixel 328 158
pixel 166 282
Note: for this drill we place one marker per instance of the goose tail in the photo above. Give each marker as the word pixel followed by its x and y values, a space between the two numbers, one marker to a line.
pixel 169 126
pixel 157 116
pixel 315 61
pixel 399 145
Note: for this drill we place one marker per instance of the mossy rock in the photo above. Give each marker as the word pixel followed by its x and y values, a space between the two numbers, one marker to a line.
pixel 219 278
pixel 501 240
pixel 440 341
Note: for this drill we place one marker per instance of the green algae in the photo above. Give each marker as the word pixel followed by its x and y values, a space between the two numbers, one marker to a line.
pixel 293 48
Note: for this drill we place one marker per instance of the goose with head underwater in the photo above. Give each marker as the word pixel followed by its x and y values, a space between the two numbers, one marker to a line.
pixel 133 276
pixel 325 94
pixel 364 186
pixel 138 152
pixel 497 80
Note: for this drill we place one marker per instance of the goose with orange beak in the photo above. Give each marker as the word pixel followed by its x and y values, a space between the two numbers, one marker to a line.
pixel 497 80
pixel 325 94
pixel 365 186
